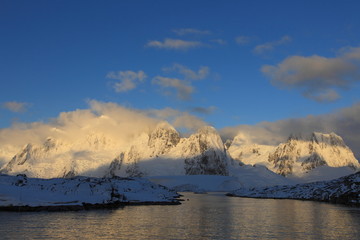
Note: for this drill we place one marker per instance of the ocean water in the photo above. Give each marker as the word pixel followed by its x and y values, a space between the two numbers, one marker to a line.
pixel 201 216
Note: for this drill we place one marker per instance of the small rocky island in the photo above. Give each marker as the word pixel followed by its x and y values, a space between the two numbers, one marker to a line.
pixel 20 193
pixel 344 190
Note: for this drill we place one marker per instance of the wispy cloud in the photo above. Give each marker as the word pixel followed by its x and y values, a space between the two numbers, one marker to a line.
pixel 259 49
pixel 183 88
pixel 204 110
pixel 219 41
pixel 174 44
pixel 242 40
pixel 16 107
pixel 317 77
pixel 128 80
pixel 182 82
pixel 188 74
pixel 192 31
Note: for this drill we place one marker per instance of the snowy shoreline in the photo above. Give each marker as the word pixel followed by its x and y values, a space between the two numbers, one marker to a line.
pixel 19 193
pixel 344 190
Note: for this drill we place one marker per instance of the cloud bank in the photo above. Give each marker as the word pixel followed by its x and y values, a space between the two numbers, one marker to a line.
pixel 110 119
pixel 345 122
pixel 318 78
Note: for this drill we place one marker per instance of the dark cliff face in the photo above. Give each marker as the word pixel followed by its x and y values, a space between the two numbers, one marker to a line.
pixel 209 162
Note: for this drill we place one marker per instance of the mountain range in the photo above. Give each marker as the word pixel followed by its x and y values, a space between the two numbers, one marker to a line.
pixel 163 152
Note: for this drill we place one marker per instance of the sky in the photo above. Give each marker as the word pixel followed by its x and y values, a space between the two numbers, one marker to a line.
pixel 235 65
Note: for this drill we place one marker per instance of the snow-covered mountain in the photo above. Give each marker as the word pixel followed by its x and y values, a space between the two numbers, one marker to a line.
pixel 160 152
pixel 60 158
pixel 298 155
pixel 163 152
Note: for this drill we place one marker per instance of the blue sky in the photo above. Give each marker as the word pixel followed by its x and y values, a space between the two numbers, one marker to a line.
pixel 226 62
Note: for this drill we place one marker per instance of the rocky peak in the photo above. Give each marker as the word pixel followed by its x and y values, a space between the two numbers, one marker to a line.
pixel 207 137
pixel 295 136
pixel 163 138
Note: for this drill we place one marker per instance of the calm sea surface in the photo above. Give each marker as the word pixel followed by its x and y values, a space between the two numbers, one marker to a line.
pixel 203 216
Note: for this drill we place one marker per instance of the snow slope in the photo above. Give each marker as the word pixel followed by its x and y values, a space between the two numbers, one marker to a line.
pixel 80 191
pixel 242 176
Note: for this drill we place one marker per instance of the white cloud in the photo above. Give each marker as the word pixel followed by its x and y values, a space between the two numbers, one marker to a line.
pixel 317 77
pixel 183 88
pixel 189 74
pixel 192 31
pixel 16 107
pixel 175 44
pixel 259 49
pixel 128 80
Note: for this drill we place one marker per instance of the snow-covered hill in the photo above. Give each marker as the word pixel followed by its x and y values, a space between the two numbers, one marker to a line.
pixel 22 193
pixel 342 190
pixel 299 156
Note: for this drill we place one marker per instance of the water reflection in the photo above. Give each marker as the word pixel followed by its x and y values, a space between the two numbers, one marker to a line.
pixel 211 216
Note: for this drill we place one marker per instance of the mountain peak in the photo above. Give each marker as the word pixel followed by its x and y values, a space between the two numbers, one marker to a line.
pixel 331 139
pixel 164 125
